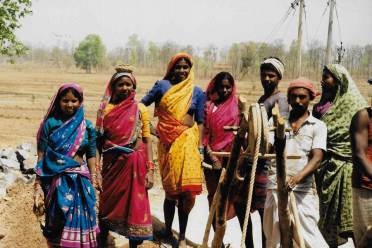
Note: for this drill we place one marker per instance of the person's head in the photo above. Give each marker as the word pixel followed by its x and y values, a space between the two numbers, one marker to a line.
pixel 271 72
pixel 329 82
pixel 223 85
pixel 299 94
pixel 122 82
pixel 68 100
pixel 179 68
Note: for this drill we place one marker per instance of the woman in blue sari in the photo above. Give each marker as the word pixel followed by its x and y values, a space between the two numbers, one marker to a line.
pixel 65 171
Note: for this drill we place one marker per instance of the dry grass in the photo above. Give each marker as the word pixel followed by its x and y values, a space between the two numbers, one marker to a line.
pixel 25 95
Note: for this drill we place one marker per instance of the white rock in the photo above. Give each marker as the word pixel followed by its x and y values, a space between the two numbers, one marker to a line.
pixel 10 163
pixel 2 185
pixel 25 154
pixel 26 147
pixel 30 163
pixel 8 153
pixel 10 177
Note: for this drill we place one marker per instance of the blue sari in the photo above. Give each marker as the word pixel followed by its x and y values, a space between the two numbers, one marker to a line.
pixel 70 219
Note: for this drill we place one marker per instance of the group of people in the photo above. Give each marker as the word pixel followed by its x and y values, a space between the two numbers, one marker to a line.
pixel 76 160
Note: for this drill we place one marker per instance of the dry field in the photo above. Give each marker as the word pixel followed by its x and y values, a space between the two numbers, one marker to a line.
pixel 24 97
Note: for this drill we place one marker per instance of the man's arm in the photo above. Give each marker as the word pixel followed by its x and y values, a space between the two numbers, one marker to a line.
pixel 315 158
pixel 359 140
pixel 316 154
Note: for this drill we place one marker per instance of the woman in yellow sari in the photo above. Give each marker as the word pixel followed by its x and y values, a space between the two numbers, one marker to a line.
pixel 179 106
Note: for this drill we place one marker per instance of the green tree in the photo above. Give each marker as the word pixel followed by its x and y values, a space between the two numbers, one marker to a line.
pixel 136 49
pixel 11 11
pixel 90 53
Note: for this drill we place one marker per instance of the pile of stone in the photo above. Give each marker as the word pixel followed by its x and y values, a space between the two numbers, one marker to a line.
pixel 16 164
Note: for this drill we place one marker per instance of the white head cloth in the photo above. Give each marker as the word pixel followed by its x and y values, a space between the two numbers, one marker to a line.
pixel 277 65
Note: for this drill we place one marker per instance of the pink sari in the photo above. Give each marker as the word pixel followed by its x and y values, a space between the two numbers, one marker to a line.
pixel 218 116
pixel 124 204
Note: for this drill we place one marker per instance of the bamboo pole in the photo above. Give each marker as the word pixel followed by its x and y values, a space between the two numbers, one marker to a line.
pixel 286 234
pixel 228 179
pixel 212 210
pixel 297 231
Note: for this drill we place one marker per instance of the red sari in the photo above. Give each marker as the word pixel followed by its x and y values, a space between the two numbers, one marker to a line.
pixel 124 203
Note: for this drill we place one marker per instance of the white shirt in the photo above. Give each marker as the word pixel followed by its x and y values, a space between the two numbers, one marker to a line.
pixel 311 135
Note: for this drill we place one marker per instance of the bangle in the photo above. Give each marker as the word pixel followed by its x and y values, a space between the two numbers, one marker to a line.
pixel 150 165
pixel 201 149
pixel 98 167
pixel 214 160
pixel 209 151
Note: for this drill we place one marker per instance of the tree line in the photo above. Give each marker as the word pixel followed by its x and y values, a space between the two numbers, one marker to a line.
pixel 242 59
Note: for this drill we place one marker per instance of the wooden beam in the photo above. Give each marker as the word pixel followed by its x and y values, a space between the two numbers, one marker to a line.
pixel 266 156
pixel 286 234
pixel 221 205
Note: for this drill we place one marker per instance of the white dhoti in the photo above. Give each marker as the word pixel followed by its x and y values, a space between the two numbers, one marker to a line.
pixel 308 214
pixel 362 216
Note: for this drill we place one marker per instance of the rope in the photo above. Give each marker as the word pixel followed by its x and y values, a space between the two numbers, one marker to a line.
pixel 253 173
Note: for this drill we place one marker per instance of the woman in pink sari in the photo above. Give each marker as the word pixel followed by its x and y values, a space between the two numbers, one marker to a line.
pixel 124 143
pixel 221 110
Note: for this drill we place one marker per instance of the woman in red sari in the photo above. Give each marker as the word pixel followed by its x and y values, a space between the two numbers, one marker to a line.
pixel 221 110
pixel 124 143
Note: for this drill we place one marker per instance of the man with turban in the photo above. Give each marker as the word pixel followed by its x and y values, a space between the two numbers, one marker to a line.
pixel 271 72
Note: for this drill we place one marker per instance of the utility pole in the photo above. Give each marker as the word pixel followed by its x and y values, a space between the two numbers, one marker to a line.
pixel 332 4
pixel 299 38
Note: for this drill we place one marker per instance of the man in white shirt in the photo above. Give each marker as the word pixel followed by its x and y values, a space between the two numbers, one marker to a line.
pixel 308 139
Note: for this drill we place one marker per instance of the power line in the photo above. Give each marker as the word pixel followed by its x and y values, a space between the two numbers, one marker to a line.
pixel 338 22
pixel 321 19
pixel 280 23
pixel 288 23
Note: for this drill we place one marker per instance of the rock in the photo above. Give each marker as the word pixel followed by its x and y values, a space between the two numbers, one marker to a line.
pixel 2 236
pixel 8 153
pixel 26 147
pixel 10 163
pixel 12 176
pixel 22 154
pixel 30 163
pixel 2 185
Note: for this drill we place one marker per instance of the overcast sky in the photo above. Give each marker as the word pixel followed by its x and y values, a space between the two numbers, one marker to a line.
pixel 195 22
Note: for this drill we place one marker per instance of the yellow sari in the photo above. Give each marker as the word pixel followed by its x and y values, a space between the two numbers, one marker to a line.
pixel 179 158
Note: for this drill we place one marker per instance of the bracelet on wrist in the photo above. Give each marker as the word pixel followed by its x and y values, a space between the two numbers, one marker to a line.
pixel 150 165
pixel 214 160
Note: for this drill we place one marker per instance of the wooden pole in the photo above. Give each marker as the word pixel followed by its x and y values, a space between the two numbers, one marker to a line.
pixel 286 234
pixel 330 28
pixel 297 231
pixel 228 179
pixel 212 210
pixel 299 38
